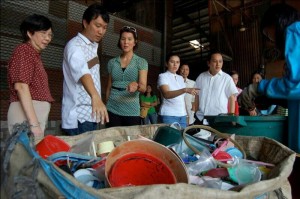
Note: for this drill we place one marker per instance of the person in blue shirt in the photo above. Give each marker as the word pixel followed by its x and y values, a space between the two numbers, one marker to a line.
pixel 281 25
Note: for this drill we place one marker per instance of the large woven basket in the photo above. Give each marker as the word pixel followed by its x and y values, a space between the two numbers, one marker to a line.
pixel 259 148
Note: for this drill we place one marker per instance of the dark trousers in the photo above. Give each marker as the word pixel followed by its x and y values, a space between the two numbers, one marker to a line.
pixel 118 120
pixel 197 121
pixel 82 128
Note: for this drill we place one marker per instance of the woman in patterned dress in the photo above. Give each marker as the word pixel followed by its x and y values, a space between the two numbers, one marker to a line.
pixel 30 97
pixel 127 78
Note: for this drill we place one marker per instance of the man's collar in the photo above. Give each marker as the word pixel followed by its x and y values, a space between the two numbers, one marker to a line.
pixel 86 40
pixel 219 73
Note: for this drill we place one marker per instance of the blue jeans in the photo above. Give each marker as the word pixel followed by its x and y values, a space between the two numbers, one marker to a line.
pixel 171 119
pixel 150 119
pixel 82 128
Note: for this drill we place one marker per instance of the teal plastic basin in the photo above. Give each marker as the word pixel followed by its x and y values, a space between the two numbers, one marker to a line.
pixel 272 126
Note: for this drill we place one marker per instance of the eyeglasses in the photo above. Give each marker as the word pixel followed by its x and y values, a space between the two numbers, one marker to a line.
pixel 44 34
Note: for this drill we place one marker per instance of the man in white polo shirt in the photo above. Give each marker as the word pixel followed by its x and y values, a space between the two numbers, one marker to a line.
pixel 82 106
pixel 184 71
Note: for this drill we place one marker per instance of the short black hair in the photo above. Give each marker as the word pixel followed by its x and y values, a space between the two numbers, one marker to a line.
pixel 233 72
pixel 183 65
pixel 94 11
pixel 259 72
pixel 212 52
pixel 34 23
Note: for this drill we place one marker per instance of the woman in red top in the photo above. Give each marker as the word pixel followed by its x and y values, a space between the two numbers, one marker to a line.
pixel 30 95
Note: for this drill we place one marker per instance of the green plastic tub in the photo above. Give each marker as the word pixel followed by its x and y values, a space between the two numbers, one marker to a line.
pixel 273 126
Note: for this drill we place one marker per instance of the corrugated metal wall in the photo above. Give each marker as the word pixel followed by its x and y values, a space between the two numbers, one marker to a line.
pixel 246 47
pixel 66 17
pixel 247 55
pixel 13 13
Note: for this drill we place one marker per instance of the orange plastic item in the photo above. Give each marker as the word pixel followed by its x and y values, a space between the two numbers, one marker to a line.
pixel 140 169
pixel 51 144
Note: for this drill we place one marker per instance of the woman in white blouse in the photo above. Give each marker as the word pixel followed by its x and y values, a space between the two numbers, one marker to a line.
pixel 173 89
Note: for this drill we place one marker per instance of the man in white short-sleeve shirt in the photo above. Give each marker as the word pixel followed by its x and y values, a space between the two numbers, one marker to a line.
pixel 217 89
pixel 184 71
pixel 82 106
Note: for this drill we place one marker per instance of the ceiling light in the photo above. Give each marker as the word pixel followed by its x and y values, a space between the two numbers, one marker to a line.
pixel 195 43
pixel 242 27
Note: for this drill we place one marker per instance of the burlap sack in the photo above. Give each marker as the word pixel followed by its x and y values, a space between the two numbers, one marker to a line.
pixel 260 148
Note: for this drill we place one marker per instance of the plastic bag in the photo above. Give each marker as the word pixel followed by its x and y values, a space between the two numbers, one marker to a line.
pixel 85 146
pixel 205 162
pixel 206 181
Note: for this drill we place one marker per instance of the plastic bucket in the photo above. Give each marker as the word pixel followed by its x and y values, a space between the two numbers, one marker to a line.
pixel 167 135
pixel 51 144
pixel 143 162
